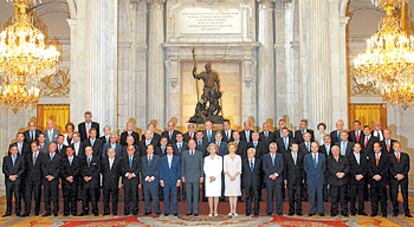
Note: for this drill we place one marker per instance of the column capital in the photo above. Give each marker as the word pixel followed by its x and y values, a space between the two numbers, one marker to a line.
pixel 265 3
pixel 155 3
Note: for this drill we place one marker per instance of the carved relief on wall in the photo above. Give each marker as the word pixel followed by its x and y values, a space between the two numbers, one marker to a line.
pixel 56 85
pixel 361 90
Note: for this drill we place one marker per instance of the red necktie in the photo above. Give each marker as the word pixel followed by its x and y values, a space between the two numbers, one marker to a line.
pixel 357 136
pixel 366 142
pixel 377 160
pixel 388 146
pixel 398 158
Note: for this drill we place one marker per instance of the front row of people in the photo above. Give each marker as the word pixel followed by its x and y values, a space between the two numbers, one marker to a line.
pixel 301 173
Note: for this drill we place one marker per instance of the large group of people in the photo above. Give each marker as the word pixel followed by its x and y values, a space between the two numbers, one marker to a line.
pixel 344 168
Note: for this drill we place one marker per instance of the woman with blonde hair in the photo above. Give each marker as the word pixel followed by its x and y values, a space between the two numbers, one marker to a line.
pixel 213 166
pixel 232 170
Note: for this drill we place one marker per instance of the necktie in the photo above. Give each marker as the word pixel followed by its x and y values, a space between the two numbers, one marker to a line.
pixel 89 162
pixel 273 159
pixel 388 145
pixel 13 160
pixel 338 135
pixel 358 158
pixel 169 163
pixel 358 136
pixel 366 142
pixel 192 153
pixel 179 146
pixel 70 160
pixel 398 157
pixel 295 157
pixel 130 162
pixel 315 160
pixel 328 149
pixel 251 166
pixel 50 135
pixel 51 156
pixel 248 136
pixel 286 143
pixel 307 146
pixel 267 134
pixel 34 159
pixel 255 145
pixel 111 162
pixel 33 135
pixel 377 160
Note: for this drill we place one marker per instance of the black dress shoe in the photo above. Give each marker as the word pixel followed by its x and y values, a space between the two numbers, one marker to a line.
pixel 333 215
pixel 269 214
pixel 126 214
pixel 321 214
pixel 311 214
pixel 373 214
pixel 344 215
pixel 299 214
pixel 96 214
pixel 147 213
pixel 384 215
pixel 36 214
pixel 166 214
pixel 65 215
pixel 25 215
pixel 74 214
pixel 84 214
pixel 408 215
pixel 46 215
pixel 106 214
pixel 157 214
pixel 189 214
pixel 362 214
pixel 6 215
pixel 135 213
pixel 279 214
pixel 248 214
pixel 291 213
pixel 175 214
pixel 395 215
pixel 55 214
pixel 256 214
pixel 195 214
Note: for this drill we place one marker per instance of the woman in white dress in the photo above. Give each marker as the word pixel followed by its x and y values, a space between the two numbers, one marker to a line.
pixel 321 133
pixel 213 166
pixel 232 170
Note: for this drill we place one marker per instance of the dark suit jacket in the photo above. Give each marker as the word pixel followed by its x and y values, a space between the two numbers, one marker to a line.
pixel 51 167
pixel 179 152
pixel 213 133
pixel 92 170
pixel 261 148
pixel 170 175
pixel 294 173
pixel 111 176
pixel 314 174
pixel 104 140
pixel 252 178
pixel 124 136
pixel 353 137
pixel 334 137
pixel 127 168
pixel 118 148
pixel 82 130
pixel 150 168
pixel 225 139
pixel 322 149
pixel 222 149
pixel 299 136
pixel 138 152
pixel 384 146
pixel 143 147
pixel 281 145
pixel 97 146
pixel 71 170
pixel 25 149
pixel 355 169
pixel 370 148
pixel 62 150
pixel 382 132
pixel 81 153
pixel 28 139
pixel 243 136
pixel 269 168
pixel 242 149
pixel 268 140
pixel 167 135
pixel 33 173
pixel 382 169
pixel 402 167
pixel 18 168
pixel 278 134
pixel 334 167
pixel 349 147
pixel 155 139
pixel 304 149
pixel 187 136
pixel 203 147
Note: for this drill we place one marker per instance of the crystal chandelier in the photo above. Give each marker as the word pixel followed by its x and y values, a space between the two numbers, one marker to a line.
pixel 25 59
pixel 388 61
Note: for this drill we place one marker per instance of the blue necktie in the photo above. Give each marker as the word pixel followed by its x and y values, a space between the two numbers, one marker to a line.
pixel 251 166
pixel 130 162
pixel 14 160
pixel 314 160
pixel 273 159
pixel 286 144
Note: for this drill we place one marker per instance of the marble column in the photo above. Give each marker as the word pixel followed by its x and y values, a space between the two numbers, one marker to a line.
pixel 156 78
pixel 266 71
pixel 281 33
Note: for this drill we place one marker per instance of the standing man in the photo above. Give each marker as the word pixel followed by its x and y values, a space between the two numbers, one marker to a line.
pixel 22 146
pixel 71 167
pixel 111 171
pixel 209 132
pixel 388 143
pixel 90 180
pixel 303 128
pixel 368 140
pixel 356 135
pixel 284 142
pixel 129 132
pixel 399 168
pixel 201 143
pixel 131 168
pixel 13 169
pixel 273 167
pixel 358 171
pixel 43 146
pixel 378 132
pixel 252 182
pixel 170 133
pixel 294 175
pixel 259 146
pixel 50 132
pixel 314 166
pixel 87 125
pixel 281 125
pixel 113 138
pixel 338 169
pixel 246 133
pixel 107 134
pixel 51 172
pixel 192 176
pixel 241 145
pixel 345 145
pixel 150 176
pixel 93 142
pixel 61 148
pixel 191 132
pixel 336 134
pixel 179 146
pixel 266 136
pixel 379 165
pixel 33 180
pixel 170 180
pixel 227 132
pixel 32 132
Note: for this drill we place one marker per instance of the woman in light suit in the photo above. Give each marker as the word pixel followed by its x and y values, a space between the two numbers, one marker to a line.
pixel 213 166
pixel 69 128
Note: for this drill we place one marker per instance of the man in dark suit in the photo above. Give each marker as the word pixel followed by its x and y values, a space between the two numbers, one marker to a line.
pixel 279 132
pixel 356 135
pixel 284 142
pixel 222 146
pixel 153 135
pixel 338 170
pixel 314 166
pixel 113 138
pixel 378 132
pixel 77 146
pixel 94 143
pixel 50 132
pixel 379 164
pixel 273 167
pixel 191 132
pixel 170 133
pixel 61 148
pixel 358 170
pixel 70 173
pixel 388 143
pixel 150 176
pixel 259 146
pixel 241 145
pixel 33 180
pixel 294 175
pixel 51 172
pixel 252 174
pixel 303 128
pixel 266 136
pixel 90 180
pixel 399 168
pixel 227 132
pixel 111 171
pixel 22 147
pixel 131 141
pixel 87 125
pixel 131 167
pixel 148 139
pixel 368 140
pixel 326 149
pixel 162 150
pixel 129 132
pixel 336 134
pixel 43 146
pixel 209 132
pixel 345 145
pixel 31 133
pixel 192 176
pixel 13 169
pixel 179 146
pixel 201 143
pixel 246 133
pixel 170 180
pixel 106 136
pixel 305 146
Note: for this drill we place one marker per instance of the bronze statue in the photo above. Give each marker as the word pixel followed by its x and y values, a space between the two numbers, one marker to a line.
pixel 209 105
